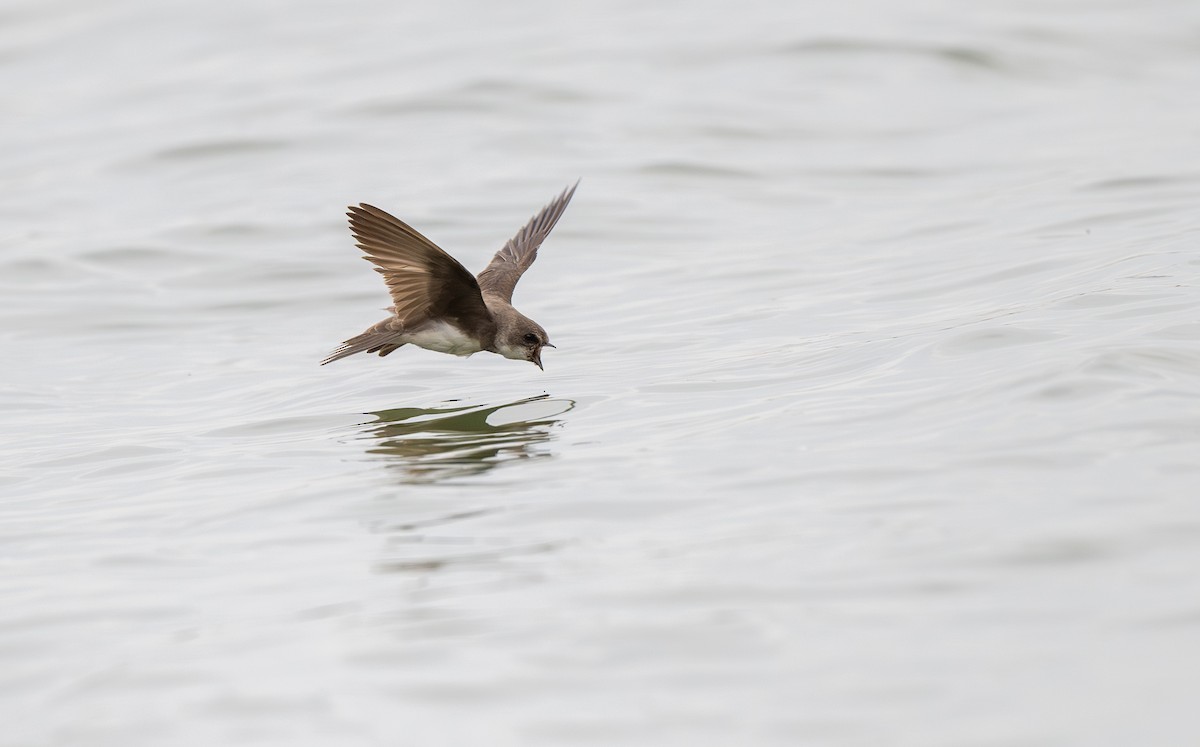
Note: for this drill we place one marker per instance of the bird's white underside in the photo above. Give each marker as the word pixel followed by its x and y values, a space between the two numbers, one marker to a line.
pixel 443 337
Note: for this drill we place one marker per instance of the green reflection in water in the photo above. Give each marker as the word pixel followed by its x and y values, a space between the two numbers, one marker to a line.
pixel 430 445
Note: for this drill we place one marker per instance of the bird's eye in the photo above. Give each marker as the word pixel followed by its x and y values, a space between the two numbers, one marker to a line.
pixel 531 339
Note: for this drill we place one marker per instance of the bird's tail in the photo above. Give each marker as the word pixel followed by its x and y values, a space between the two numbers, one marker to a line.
pixel 377 339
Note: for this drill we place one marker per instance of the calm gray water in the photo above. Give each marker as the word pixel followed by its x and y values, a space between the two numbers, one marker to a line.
pixel 873 420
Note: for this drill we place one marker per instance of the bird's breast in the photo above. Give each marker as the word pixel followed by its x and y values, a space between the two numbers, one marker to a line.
pixel 444 337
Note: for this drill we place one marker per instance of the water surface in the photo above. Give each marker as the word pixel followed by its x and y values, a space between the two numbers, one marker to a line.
pixel 873 420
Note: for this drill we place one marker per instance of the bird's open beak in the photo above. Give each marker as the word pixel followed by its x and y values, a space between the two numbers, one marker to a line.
pixel 537 356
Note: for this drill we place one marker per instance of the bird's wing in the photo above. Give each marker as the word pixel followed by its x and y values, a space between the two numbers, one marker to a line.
pixel 424 280
pixel 505 269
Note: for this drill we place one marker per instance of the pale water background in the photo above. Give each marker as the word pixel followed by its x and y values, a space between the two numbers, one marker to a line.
pixel 874 419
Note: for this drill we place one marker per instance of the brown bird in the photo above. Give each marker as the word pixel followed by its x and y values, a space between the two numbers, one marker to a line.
pixel 438 305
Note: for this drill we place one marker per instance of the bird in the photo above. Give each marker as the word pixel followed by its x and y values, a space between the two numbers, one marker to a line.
pixel 437 304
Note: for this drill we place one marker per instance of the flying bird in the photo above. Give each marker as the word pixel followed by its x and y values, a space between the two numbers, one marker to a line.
pixel 438 305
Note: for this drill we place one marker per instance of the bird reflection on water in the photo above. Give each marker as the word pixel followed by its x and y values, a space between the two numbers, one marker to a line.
pixel 435 444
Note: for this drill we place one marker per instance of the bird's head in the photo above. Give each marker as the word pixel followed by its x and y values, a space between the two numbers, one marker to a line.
pixel 523 341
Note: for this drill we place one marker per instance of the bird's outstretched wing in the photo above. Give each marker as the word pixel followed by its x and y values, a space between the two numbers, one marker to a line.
pixel 424 281
pixel 505 269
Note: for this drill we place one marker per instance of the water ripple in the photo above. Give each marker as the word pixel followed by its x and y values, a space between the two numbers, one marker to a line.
pixel 428 445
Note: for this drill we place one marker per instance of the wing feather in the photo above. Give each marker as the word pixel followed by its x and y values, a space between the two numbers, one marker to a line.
pixel 423 280
pixel 510 263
